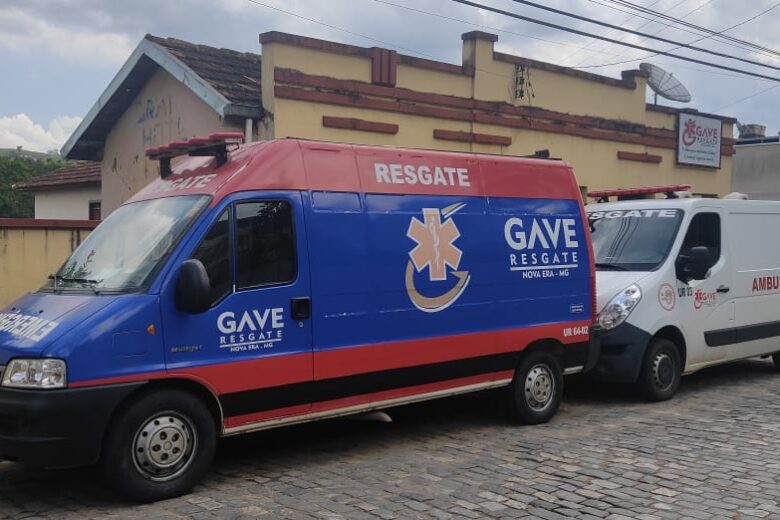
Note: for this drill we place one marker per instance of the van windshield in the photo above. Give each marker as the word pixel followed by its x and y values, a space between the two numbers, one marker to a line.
pixel 127 247
pixel 633 239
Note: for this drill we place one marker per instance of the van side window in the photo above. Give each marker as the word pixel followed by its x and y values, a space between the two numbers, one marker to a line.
pixel 214 253
pixel 704 230
pixel 265 244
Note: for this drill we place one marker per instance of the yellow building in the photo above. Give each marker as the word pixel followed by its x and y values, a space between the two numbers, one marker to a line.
pixel 303 87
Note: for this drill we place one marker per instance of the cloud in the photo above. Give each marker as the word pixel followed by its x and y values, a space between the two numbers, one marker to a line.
pixel 22 32
pixel 20 130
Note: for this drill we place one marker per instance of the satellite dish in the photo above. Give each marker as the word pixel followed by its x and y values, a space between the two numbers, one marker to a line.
pixel 664 84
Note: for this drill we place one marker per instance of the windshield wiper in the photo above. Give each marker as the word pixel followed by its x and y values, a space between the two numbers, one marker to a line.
pixel 614 267
pixel 83 281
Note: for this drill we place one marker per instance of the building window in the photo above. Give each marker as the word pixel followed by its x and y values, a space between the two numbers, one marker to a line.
pixel 94 210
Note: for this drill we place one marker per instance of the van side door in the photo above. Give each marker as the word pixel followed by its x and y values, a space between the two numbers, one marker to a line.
pixel 257 334
pixel 756 287
pixel 705 304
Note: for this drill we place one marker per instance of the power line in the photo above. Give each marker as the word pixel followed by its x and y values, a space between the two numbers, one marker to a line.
pixel 611 40
pixel 694 41
pixel 699 28
pixel 611 32
pixel 320 22
pixel 655 37
pixel 751 96
pixel 653 20
pixel 504 31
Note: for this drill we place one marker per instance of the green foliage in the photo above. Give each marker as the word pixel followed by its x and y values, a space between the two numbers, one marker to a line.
pixel 13 169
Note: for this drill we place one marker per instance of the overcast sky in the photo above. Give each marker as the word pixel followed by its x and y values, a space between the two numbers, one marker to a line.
pixel 57 56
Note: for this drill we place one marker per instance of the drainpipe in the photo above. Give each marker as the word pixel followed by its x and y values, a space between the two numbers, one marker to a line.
pixel 248 127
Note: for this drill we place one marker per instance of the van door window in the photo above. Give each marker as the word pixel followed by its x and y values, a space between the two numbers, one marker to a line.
pixel 704 230
pixel 265 244
pixel 214 253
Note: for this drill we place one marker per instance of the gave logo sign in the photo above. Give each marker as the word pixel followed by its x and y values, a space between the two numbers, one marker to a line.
pixel 698 140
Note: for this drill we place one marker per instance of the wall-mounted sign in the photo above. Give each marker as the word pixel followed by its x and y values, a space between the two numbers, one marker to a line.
pixel 698 140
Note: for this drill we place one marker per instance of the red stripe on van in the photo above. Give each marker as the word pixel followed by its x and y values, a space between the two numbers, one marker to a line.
pixel 273 371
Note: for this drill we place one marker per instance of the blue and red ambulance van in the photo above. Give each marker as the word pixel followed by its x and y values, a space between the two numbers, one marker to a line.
pixel 260 285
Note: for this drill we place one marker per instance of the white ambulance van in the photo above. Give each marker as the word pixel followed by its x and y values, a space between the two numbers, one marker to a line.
pixel 683 284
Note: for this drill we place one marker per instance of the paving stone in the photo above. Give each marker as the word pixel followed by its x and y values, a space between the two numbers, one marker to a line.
pixel 712 452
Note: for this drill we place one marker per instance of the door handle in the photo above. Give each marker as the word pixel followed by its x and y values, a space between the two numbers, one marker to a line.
pixel 722 289
pixel 300 308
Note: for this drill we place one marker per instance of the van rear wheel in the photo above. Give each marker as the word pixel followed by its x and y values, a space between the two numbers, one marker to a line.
pixel 537 388
pixel 159 446
pixel 661 371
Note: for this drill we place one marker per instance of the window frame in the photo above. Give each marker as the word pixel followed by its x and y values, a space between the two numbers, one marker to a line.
pixel 706 211
pixel 296 263
pixel 231 254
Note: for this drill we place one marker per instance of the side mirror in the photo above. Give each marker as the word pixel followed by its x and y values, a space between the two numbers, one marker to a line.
pixel 693 264
pixel 193 289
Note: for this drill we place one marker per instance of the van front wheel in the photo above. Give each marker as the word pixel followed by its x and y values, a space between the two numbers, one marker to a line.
pixel 661 371
pixel 159 446
pixel 537 389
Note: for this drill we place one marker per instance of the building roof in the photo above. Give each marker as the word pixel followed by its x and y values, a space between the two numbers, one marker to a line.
pixel 236 75
pixel 226 80
pixel 86 173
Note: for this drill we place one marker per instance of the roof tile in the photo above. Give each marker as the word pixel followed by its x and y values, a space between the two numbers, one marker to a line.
pixel 236 75
pixel 83 173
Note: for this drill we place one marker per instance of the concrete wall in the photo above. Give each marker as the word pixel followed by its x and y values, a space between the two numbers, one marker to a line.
pixel 30 250
pixel 757 171
pixel 165 110
pixel 71 204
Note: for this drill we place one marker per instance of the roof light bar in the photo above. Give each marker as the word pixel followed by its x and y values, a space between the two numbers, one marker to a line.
pixel 603 196
pixel 214 145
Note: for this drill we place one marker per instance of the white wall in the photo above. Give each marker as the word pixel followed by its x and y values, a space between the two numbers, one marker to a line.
pixel 757 171
pixel 69 204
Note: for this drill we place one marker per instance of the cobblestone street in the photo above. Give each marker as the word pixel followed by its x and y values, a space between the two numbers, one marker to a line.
pixel 712 452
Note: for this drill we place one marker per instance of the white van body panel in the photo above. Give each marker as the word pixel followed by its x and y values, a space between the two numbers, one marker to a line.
pixel 732 314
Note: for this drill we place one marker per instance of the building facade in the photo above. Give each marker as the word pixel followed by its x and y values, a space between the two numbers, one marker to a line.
pixel 67 193
pixel 757 167
pixel 303 87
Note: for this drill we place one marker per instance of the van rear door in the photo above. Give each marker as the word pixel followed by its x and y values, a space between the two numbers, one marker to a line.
pixel 257 334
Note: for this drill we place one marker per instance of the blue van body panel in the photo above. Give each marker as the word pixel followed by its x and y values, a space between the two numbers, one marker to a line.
pixel 359 296
pixel 41 320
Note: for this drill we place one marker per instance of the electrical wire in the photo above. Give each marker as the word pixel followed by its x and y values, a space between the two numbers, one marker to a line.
pixel 653 20
pixel 678 45
pixel 699 28
pixel 694 41
pixel 612 40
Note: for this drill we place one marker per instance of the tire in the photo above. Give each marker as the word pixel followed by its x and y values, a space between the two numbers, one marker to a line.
pixel 537 388
pixel 661 371
pixel 776 359
pixel 159 446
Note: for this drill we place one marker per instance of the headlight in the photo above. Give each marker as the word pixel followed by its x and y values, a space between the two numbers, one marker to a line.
pixel 620 307
pixel 35 373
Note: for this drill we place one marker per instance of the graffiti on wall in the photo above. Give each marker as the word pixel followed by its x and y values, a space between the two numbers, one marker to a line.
pixel 156 120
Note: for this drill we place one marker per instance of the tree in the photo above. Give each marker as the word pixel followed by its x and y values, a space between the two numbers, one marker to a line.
pixel 13 169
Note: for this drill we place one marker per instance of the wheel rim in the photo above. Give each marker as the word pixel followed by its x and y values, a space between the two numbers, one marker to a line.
pixel 164 445
pixel 539 387
pixel 663 371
